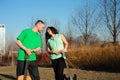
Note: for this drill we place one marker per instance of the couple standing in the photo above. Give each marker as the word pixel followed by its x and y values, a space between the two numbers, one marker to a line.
pixel 30 42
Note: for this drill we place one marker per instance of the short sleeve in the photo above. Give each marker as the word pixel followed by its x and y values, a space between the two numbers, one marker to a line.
pixel 21 36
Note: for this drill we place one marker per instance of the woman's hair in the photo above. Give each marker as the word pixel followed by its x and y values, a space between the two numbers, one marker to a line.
pixel 54 31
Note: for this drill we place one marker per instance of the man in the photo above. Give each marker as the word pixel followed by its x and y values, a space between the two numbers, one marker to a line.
pixel 30 43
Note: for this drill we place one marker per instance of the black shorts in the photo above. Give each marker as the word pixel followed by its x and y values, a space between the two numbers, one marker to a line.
pixel 32 68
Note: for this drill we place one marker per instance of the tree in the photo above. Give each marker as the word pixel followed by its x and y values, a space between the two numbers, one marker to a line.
pixel 111 11
pixel 11 50
pixel 55 23
pixel 69 34
pixel 86 20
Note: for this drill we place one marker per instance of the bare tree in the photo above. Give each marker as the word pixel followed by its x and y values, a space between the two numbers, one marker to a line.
pixel 86 20
pixel 11 51
pixel 112 17
pixel 55 23
pixel 69 34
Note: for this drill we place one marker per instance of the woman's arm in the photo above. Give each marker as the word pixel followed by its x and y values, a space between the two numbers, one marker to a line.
pixel 65 42
pixel 50 51
pixel 53 51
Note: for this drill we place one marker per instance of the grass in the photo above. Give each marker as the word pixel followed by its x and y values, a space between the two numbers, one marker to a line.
pixel 9 73
pixel 89 63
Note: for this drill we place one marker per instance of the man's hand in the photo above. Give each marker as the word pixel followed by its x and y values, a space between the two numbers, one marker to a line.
pixel 36 50
pixel 28 51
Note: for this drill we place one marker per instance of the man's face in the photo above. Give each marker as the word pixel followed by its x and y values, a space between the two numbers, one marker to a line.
pixel 40 27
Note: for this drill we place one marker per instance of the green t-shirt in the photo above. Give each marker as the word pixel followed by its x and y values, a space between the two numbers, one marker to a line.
pixel 30 40
pixel 55 43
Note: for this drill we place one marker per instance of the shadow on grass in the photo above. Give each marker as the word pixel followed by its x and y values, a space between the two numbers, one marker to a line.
pixel 103 69
pixel 8 77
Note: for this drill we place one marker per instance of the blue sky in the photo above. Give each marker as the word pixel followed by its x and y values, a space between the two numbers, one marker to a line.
pixel 18 14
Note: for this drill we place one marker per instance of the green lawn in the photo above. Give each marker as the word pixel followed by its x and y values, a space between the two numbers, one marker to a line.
pixel 9 73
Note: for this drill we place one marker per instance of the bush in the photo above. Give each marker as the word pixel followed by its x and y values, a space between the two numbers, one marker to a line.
pixel 107 58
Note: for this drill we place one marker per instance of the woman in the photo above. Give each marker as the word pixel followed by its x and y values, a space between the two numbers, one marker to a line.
pixel 57 46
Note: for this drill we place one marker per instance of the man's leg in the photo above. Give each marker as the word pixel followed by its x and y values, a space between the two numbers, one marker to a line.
pixel 20 68
pixel 33 70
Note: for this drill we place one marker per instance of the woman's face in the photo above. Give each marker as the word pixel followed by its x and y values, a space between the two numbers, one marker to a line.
pixel 49 31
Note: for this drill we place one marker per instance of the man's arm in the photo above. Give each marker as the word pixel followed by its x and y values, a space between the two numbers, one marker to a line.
pixel 19 43
pixel 36 49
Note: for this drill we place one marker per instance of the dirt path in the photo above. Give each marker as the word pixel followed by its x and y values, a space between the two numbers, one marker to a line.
pixel 8 73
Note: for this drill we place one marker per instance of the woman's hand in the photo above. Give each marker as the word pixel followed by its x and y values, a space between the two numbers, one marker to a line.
pixel 56 51
pixel 63 51
pixel 59 51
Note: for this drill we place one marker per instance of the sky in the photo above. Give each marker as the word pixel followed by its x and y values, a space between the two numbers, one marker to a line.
pixel 19 14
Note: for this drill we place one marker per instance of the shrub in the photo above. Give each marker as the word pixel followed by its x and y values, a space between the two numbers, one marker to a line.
pixel 94 57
